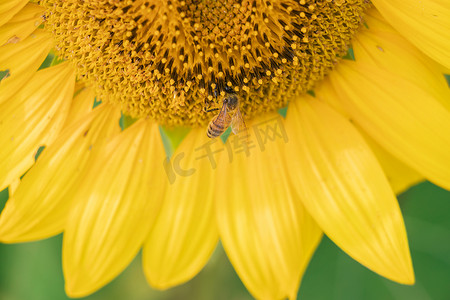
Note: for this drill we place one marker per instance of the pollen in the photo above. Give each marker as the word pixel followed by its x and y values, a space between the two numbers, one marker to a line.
pixel 173 60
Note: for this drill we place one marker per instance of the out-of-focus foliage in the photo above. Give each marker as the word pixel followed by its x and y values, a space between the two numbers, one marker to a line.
pixel 426 209
pixel 32 271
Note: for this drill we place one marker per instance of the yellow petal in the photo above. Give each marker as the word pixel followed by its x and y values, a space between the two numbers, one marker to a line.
pixel 22 24
pixel 265 230
pixel 8 8
pixel 39 207
pixel 385 48
pixel 425 23
pixel 33 117
pixel 185 233
pixel 400 176
pixel 344 188
pixel 22 61
pixel 116 204
pixel 82 104
pixel 12 188
pixel 402 117
pixel 327 94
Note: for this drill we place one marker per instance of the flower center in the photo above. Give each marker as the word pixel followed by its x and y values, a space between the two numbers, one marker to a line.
pixel 173 60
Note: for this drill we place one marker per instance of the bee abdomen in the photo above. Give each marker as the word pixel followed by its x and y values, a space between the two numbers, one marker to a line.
pixel 215 130
pixel 219 124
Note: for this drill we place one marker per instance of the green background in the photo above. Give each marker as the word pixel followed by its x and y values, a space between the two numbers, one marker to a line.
pixel 32 271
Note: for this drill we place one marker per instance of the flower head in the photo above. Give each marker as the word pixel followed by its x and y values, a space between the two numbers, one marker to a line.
pixel 170 60
pixel 355 132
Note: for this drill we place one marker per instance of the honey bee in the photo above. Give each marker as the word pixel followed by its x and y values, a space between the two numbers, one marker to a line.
pixel 229 115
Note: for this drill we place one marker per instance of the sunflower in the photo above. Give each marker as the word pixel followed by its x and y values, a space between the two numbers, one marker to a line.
pixel 368 115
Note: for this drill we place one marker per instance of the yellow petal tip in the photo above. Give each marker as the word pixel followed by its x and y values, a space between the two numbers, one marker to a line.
pixel 78 289
pixel 81 284
pixel 160 285
pixel 409 277
pixel 403 273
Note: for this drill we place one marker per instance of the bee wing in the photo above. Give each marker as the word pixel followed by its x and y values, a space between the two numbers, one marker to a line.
pixel 222 115
pixel 237 123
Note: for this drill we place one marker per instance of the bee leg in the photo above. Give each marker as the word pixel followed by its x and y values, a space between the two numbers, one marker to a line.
pixel 212 109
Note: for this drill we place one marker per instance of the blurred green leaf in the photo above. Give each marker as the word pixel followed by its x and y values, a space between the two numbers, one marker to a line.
pixel 51 60
pixel 224 137
pixel 4 74
pixel 283 111
pixel 97 102
pixel 31 271
pixel 48 61
pixel 3 197
pixel 350 55
pixel 125 121
pixel 172 137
